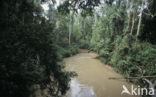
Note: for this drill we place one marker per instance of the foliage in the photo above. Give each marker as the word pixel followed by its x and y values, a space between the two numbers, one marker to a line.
pixel 33 42
pixel 28 51
pixel 67 51
pixel 83 31
pixel 116 46
pixel 85 6
pixel 114 37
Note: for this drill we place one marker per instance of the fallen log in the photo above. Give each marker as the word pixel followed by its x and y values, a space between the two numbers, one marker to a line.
pixel 138 77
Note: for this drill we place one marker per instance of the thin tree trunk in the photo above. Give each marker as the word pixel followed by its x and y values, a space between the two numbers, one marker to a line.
pixel 129 15
pixel 133 18
pixel 140 19
pixel 127 4
pixel 70 30
pixel 71 27
pixel 133 22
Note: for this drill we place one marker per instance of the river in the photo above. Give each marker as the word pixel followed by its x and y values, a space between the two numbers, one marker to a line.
pixel 93 77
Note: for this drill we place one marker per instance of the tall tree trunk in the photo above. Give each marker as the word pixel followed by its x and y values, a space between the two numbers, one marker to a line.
pixel 71 27
pixel 140 19
pixel 133 22
pixel 133 18
pixel 129 15
pixel 127 4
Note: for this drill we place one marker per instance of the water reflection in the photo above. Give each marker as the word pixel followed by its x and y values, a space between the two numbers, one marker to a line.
pixel 80 90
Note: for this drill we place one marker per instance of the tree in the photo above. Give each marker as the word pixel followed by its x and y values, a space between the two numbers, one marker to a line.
pixel 28 52
pixel 71 26
pixel 140 18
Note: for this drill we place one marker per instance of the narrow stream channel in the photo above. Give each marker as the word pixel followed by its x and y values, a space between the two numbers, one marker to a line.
pixel 92 80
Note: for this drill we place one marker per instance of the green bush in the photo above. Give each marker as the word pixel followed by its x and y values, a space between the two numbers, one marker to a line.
pixel 140 59
pixel 67 51
pixel 128 56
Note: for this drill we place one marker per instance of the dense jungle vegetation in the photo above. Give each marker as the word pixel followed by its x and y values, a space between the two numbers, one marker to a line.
pixel 33 41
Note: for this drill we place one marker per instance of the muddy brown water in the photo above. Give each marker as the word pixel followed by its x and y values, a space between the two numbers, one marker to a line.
pixel 93 77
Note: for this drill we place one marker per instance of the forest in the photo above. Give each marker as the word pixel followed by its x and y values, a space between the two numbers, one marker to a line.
pixel 34 41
